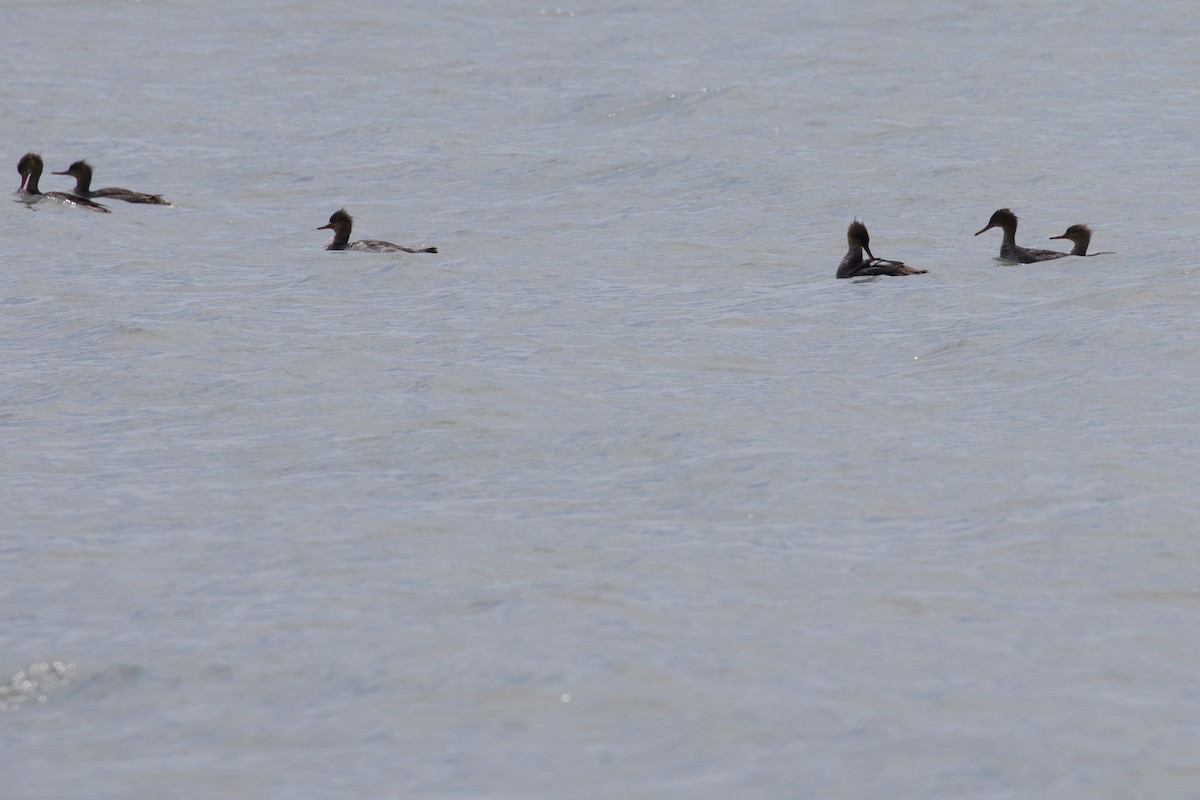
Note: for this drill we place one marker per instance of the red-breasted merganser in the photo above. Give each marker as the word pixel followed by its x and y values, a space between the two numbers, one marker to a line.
pixel 1081 235
pixel 81 171
pixel 854 265
pixel 1009 250
pixel 30 166
pixel 340 223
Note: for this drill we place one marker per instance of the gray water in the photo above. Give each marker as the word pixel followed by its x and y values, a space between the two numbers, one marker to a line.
pixel 621 495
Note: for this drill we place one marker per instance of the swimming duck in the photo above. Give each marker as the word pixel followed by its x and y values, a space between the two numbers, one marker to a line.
pixel 340 223
pixel 81 171
pixel 30 166
pixel 1006 220
pixel 854 265
pixel 1081 236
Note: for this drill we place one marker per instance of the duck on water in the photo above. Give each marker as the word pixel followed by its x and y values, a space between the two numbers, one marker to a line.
pixel 854 265
pixel 341 223
pixel 1006 220
pixel 81 171
pixel 1081 237
pixel 30 167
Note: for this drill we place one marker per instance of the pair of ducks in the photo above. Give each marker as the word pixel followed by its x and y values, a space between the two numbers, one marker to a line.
pixel 854 265
pixel 31 166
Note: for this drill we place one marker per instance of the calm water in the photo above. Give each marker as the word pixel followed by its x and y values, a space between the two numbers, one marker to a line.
pixel 621 495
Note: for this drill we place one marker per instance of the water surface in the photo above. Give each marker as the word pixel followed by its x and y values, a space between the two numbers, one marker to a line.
pixel 621 494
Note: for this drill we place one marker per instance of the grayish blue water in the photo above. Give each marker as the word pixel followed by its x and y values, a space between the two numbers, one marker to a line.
pixel 621 495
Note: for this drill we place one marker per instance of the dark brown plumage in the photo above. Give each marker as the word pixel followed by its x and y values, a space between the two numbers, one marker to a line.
pixel 341 224
pixel 854 265
pixel 1081 237
pixel 30 166
pixel 81 171
pixel 1006 220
